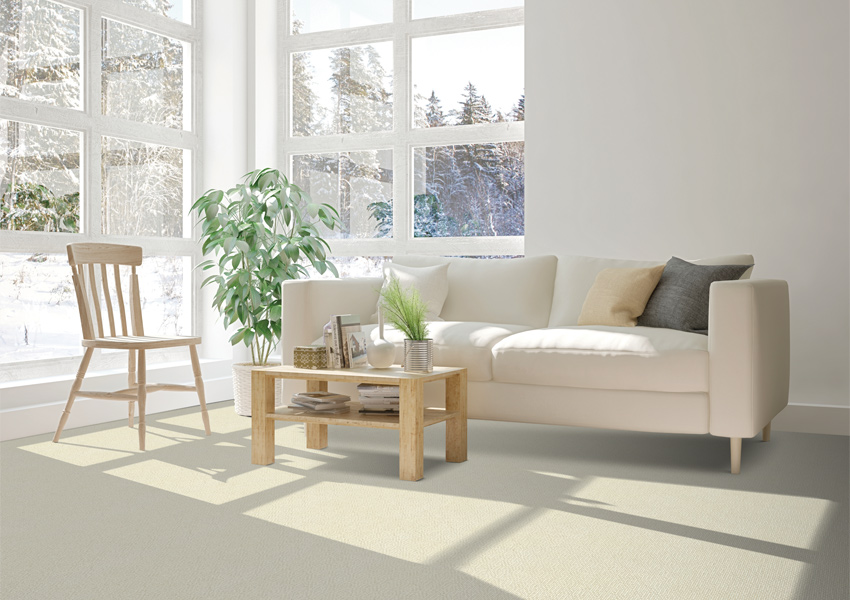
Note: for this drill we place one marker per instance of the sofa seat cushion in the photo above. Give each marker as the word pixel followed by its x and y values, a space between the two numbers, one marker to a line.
pixel 456 344
pixel 613 358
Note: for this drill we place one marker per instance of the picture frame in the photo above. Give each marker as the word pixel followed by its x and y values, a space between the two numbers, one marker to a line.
pixel 357 349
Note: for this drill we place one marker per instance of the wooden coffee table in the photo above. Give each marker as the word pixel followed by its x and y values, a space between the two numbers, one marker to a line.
pixel 411 421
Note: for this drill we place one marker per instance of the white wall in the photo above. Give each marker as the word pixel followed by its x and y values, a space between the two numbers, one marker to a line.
pixel 662 127
pixel 226 85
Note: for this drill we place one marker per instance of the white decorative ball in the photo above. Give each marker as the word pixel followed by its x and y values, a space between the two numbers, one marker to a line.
pixel 380 353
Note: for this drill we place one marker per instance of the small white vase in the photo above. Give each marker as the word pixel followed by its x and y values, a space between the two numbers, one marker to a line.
pixel 380 353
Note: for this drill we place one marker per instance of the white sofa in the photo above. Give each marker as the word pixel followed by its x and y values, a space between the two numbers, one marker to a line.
pixel 512 324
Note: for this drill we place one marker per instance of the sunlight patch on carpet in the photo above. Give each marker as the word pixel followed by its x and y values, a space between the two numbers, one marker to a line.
pixel 87 449
pixel 561 555
pixel 209 485
pixel 405 524
pixel 779 519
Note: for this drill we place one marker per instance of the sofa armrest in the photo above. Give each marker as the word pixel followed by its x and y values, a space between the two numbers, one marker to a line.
pixel 749 355
pixel 308 303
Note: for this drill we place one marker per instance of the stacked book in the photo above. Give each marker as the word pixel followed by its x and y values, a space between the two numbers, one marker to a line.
pixel 320 402
pixel 345 343
pixel 378 398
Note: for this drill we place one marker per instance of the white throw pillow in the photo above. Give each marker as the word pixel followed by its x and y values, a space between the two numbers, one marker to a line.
pixel 432 283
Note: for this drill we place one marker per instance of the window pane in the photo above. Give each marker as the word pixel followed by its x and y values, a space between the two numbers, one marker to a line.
pixel 39 178
pixel 143 188
pixel 358 184
pixel 469 190
pixel 41 319
pixel 143 76
pixel 39 308
pixel 165 286
pixel 41 52
pixel 439 8
pixel 468 78
pixel 181 10
pixel 352 266
pixel 324 15
pixel 342 90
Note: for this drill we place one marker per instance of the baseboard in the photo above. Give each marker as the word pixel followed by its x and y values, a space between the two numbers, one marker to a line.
pixel 34 408
pixel 813 418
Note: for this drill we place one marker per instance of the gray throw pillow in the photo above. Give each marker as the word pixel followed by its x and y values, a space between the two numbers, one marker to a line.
pixel 680 300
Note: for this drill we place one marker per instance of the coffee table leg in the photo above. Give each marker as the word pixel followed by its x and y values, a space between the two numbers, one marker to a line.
pixel 411 422
pixel 456 427
pixel 262 428
pixel 317 435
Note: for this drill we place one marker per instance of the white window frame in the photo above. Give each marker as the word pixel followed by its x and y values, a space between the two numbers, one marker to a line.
pixel 404 137
pixel 94 126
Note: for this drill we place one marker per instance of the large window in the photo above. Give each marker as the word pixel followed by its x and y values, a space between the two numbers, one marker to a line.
pixel 408 116
pixel 98 142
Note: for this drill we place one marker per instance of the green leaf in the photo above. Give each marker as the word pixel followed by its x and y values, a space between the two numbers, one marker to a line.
pixel 275 312
pixel 264 330
pixel 292 251
pixel 237 337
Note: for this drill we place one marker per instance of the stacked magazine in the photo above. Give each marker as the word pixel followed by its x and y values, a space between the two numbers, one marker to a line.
pixel 378 398
pixel 320 402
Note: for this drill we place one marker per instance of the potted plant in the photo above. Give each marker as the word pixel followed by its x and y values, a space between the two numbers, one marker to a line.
pixel 261 233
pixel 406 310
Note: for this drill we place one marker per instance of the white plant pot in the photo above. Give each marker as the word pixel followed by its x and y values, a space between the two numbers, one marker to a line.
pixel 242 388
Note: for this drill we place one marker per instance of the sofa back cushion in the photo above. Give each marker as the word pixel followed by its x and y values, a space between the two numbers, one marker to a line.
pixel 576 274
pixel 516 291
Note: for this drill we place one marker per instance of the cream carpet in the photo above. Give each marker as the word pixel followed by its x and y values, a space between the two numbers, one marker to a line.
pixel 536 512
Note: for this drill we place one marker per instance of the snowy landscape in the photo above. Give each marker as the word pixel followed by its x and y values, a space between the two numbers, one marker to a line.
pixel 39 312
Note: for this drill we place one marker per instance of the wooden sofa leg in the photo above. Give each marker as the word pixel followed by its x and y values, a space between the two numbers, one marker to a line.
pixel 765 433
pixel 735 446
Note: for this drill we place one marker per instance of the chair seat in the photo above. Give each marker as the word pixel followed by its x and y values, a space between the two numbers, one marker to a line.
pixel 141 342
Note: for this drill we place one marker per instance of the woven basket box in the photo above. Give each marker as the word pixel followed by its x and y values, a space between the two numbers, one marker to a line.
pixel 310 357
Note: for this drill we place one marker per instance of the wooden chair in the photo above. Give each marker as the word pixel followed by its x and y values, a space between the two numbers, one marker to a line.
pixel 91 281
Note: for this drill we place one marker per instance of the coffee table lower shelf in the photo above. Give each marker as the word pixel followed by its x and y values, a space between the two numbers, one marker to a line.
pixel 358 419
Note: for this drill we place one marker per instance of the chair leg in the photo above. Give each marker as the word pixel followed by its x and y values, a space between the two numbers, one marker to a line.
pixel 141 396
pixel 765 433
pixel 199 387
pixel 735 446
pixel 131 383
pixel 75 387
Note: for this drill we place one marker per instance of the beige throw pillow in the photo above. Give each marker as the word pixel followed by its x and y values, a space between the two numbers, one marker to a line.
pixel 618 296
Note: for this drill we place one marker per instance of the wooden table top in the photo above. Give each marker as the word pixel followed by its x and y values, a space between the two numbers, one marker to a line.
pixel 392 375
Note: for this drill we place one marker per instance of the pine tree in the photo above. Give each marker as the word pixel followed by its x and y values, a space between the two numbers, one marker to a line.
pixel 303 97
pixel 518 111
pixel 474 108
pixel 359 88
pixel 434 112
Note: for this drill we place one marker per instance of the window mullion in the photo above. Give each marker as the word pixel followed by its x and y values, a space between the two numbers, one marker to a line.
pixel 90 168
pixel 284 59
pixel 402 125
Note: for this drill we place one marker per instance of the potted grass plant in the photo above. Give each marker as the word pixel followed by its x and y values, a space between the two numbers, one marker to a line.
pixel 405 309
pixel 260 233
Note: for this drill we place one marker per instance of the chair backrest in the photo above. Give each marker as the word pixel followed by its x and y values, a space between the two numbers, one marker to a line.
pixel 91 282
